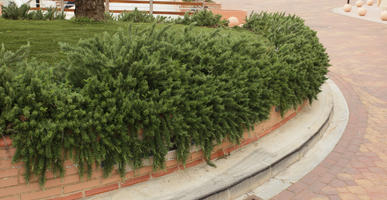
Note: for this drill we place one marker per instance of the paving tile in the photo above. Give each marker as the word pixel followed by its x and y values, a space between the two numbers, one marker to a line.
pixel 285 195
pixel 297 187
pixel 328 190
pixel 357 167
pixel 334 197
pixel 348 196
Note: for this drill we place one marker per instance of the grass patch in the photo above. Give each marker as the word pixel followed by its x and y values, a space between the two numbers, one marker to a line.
pixel 44 36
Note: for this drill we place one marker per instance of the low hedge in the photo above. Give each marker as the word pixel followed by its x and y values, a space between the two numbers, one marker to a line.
pixel 13 11
pixel 298 58
pixel 202 18
pixel 120 98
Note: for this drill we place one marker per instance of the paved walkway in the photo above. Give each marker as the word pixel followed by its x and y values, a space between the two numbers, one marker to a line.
pixel 357 168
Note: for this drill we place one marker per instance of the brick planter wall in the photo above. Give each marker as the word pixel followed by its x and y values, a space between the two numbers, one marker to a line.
pixel 71 186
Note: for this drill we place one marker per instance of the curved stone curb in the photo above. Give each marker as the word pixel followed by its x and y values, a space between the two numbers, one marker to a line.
pixel 245 169
pixel 317 149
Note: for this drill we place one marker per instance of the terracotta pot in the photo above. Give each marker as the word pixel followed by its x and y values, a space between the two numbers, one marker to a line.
pixel 362 11
pixel 359 3
pixel 347 8
pixel 233 21
pixel 370 2
pixel 383 15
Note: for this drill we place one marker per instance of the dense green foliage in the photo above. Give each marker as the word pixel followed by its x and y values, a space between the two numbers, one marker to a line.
pixel 12 11
pixel 119 98
pixel 7 92
pixel 198 18
pixel 203 18
pixel 300 59
pixel 136 16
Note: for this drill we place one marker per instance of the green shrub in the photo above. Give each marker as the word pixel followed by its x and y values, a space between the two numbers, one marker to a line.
pixel 202 18
pixel 40 107
pixel 298 58
pixel 10 62
pixel 168 84
pixel 109 16
pixel 60 16
pixel 12 11
pixel 177 88
pixel 136 16
pixel 48 114
pixel 50 13
pixel 36 15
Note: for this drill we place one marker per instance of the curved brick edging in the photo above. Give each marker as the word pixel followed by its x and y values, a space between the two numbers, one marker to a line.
pixel 71 186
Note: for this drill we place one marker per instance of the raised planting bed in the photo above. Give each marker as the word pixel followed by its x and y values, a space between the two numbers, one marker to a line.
pixel 72 186
pixel 117 103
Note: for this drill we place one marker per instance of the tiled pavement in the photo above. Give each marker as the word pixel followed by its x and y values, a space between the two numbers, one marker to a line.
pixel 357 167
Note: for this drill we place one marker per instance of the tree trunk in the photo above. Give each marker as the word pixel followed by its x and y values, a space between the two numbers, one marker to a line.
pixel 93 9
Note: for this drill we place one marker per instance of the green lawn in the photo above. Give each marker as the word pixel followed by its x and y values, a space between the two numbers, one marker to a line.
pixel 44 36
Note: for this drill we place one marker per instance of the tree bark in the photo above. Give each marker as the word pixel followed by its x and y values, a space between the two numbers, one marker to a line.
pixel 93 9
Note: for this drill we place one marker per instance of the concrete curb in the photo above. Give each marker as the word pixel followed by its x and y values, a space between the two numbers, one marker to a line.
pixel 315 150
pixel 245 169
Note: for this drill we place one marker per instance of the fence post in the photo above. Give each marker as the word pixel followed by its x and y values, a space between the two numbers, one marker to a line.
pixel 151 6
pixel 61 6
pixel 107 6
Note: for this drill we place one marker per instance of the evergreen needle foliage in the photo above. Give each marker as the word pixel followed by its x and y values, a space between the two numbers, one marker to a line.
pixel 299 60
pixel 136 16
pixel 120 98
pixel 12 11
pixel 203 18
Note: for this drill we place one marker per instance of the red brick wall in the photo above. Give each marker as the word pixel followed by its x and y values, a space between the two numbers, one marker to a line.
pixel 71 186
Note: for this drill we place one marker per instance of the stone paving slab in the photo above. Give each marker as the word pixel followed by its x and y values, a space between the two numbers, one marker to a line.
pixel 357 167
